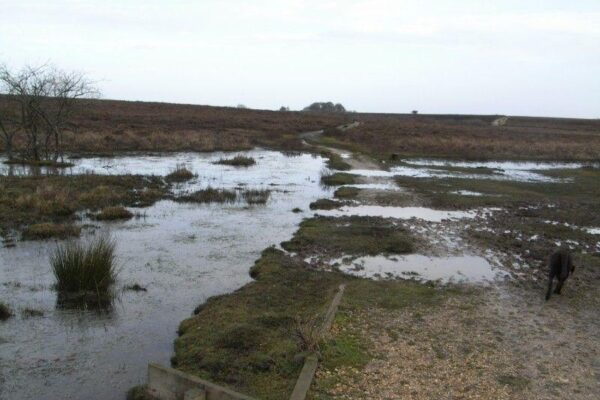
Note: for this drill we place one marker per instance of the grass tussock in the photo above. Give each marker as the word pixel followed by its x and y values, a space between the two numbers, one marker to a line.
pixel 85 268
pixel 180 174
pixel 325 204
pixel 5 312
pixel 113 213
pixel 338 179
pixel 237 161
pixel 209 195
pixel 47 230
pixel 256 196
pixel 349 236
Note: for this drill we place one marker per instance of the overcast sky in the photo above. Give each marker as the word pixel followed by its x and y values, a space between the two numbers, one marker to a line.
pixel 471 57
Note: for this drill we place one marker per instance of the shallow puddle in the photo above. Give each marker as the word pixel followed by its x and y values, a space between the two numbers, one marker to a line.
pixel 427 214
pixel 465 268
pixel 181 253
pixel 499 170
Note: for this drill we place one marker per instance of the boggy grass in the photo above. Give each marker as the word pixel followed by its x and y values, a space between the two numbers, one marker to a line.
pixel 213 195
pixel 237 161
pixel 350 235
pixel 47 230
pixel 209 195
pixel 85 268
pixel 113 213
pixel 40 199
pixel 180 174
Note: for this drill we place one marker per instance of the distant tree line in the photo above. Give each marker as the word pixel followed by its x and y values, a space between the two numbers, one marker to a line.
pixel 38 103
pixel 326 107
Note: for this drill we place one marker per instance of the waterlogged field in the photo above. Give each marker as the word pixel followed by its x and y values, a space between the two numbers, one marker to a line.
pixel 422 237
pixel 181 253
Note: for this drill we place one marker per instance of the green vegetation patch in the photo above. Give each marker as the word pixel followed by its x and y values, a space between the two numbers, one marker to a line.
pixel 237 161
pixel 250 339
pixel 325 204
pixel 347 192
pixel 338 179
pixel 351 236
pixel 47 230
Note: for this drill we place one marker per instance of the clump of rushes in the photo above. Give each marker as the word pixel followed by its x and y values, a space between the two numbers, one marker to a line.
pixel 338 179
pixel 237 161
pixel 5 312
pixel 113 213
pixel 256 196
pixel 85 268
pixel 209 195
pixel 346 192
pixel 47 230
pixel 324 204
pixel 180 174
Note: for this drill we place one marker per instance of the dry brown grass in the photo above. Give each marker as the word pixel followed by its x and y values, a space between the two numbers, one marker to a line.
pixel 472 137
pixel 105 126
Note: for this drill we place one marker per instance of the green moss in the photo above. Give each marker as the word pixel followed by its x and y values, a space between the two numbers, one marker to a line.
pixel 350 235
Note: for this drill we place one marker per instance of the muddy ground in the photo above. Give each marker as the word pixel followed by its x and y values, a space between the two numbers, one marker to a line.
pixel 498 340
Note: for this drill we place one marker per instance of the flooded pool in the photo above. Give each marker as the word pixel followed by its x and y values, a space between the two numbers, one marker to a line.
pixel 527 171
pixel 465 268
pixel 427 214
pixel 181 253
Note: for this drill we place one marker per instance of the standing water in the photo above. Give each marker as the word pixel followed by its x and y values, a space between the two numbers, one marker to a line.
pixel 181 253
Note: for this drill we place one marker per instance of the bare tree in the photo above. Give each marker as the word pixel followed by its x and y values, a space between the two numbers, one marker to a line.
pixel 45 98
pixel 8 126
